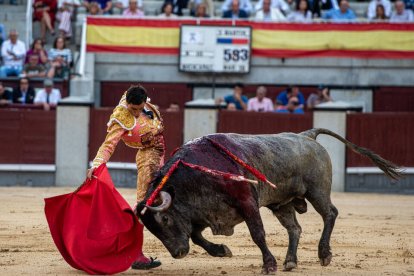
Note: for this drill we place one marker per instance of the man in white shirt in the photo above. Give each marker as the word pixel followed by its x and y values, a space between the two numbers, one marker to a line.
pixel 268 14
pixel 48 96
pixel 275 4
pixel 260 103
pixel 13 52
pixel 401 15
pixel 373 6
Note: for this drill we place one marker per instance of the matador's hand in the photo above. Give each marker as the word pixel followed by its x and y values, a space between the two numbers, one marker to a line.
pixel 90 172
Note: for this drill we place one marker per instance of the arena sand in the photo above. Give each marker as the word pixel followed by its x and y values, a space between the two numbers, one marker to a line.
pixel 373 235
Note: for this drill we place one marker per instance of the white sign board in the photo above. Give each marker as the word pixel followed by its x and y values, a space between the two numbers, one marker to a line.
pixel 221 49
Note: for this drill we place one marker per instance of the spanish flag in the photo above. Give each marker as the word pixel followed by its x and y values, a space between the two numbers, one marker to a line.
pixel 271 40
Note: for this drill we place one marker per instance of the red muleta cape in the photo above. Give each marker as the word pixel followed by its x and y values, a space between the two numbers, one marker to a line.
pixel 94 228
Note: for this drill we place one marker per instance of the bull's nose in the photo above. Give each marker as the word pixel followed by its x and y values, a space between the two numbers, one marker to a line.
pixel 180 253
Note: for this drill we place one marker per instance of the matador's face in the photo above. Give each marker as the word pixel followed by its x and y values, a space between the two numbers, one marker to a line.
pixel 136 109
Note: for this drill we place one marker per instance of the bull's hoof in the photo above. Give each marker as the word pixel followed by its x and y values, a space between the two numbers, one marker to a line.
pixel 269 270
pixel 226 252
pixel 326 261
pixel 288 266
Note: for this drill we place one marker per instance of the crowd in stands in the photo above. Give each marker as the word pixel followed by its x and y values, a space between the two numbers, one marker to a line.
pixel 290 100
pixel 263 10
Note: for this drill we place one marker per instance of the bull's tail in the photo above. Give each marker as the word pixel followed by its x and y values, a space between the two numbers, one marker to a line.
pixel 390 169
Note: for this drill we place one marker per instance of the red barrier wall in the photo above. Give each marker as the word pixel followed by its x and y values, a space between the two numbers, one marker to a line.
pixel 262 122
pixel 162 94
pixel 173 133
pixel 391 135
pixel 394 99
pixel 27 136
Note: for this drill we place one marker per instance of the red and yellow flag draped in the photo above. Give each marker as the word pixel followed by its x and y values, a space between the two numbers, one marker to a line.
pixel 272 40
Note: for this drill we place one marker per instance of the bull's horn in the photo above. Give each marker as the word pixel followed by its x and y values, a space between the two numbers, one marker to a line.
pixel 166 202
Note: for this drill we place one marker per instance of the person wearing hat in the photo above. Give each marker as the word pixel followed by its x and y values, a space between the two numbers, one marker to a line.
pixel 48 96
pixel 322 95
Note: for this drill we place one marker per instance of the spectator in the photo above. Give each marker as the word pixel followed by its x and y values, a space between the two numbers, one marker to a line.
pixel 132 10
pixel 177 6
pixel 60 58
pixel 302 13
pixel 13 52
pixel 409 4
pixel 372 8
pixel 243 5
pixel 283 99
pixel 268 13
pixel 280 5
pixel 174 107
pixel 105 6
pixel 167 9
pixel 94 8
pixel 24 93
pixel 401 14
pixel 5 95
pixel 209 5
pixel 45 12
pixel 380 13
pixel 201 11
pixel 236 12
pixel 34 69
pixel 343 14
pixel 124 4
pixel 64 16
pixel 291 107
pixel 37 50
pixel 48 96
pixel 323 5
pixel 2 34
pixel 236 98
pixel 322 96
pixel 260 103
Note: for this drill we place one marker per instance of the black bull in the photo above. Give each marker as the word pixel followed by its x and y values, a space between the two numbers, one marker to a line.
pixel 193 200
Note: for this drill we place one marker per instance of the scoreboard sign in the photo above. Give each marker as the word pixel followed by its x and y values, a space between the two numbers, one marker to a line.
pixel 221 49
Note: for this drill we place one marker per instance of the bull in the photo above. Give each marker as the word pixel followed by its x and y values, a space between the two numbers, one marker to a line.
pixel 193 200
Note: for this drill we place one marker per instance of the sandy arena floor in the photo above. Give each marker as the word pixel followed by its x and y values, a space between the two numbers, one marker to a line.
pixel 373 235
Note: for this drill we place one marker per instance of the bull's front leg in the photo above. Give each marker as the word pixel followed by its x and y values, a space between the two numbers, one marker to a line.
pixel 251 215
pixel 215 250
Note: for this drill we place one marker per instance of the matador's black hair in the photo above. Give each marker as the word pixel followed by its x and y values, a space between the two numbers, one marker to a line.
pixel 136 94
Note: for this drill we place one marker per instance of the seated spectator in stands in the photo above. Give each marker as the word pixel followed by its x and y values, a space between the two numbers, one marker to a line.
pixel 260 103
pixel 2 34
pixel 94 9
pixel 209 6
pixel 323 6
pixel 132 10
pixel 5 95
pixel 13 52
pixel 167 9
pixel 201 11
pixel 343 14
pixel 282 100
pixel 235 12
pixel 280 5
pixel 105 6
pixel 409 4
pixel 293 106
pixel 61 59
pixel 48 96
pixel 268 13
pixel 302 12
pixel 401 14
pixel 322 95
pixel 174 107
pixel 372 8
pixel 124 4
pixel 380 13
pixel 45 12
pixel 244 5
pixel 34 69
pixel 24 93
pixel 64 15
pixel 37 50
pixel 236 98
pixel 177 6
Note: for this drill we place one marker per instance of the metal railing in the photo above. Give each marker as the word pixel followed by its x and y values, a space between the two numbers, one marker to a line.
pixel 29 24
pixel 83 49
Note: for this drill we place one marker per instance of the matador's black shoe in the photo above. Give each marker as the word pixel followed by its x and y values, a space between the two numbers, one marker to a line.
pixel 153 263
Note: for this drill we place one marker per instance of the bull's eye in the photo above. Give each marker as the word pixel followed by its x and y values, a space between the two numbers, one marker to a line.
pixel 165 219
